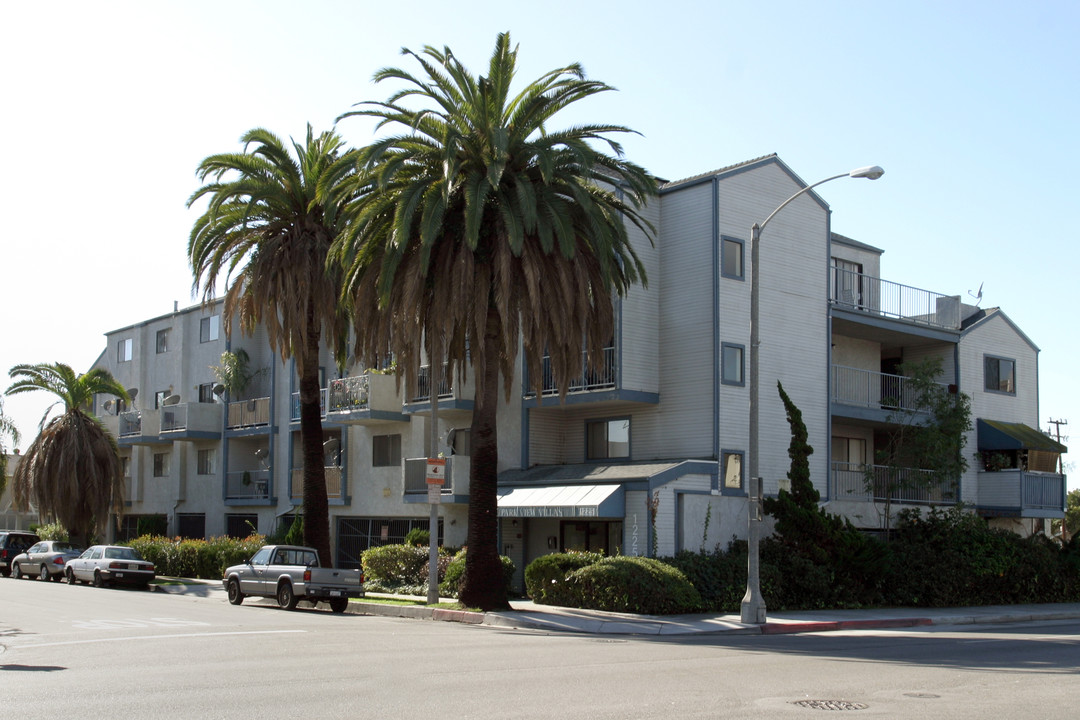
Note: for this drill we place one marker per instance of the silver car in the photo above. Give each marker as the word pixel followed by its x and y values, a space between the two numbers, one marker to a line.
pixel 107 564
pixel 45 560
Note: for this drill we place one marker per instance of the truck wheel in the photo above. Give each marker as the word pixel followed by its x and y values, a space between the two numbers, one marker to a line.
pixel 235 596
pixel 286 599
pixel 338 605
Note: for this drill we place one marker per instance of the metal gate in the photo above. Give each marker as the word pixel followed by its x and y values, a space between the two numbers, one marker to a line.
pixel 357 534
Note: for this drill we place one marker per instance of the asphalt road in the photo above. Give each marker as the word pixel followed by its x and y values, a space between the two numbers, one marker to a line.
pixel 111 653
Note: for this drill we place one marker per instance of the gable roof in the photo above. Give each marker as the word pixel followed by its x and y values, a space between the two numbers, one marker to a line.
pixel 984 315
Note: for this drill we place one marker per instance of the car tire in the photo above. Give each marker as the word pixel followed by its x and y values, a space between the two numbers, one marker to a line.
pixel 44 574
pixel 286 598
pixel 98 582
pixel 16 571
pixel 235 596
pixel 70 576
pixel 338 605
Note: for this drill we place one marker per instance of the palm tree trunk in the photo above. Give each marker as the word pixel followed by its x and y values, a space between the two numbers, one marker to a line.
pixel 485 583
pixel 316 513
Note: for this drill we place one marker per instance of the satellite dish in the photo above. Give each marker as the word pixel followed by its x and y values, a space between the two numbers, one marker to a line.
pixel 450 435
pixel 108 405
pixel 219 389
pixel 133 393
pixel 171 400
pixel 261 453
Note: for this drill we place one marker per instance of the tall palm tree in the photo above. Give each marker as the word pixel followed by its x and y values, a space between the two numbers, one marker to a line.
pixel 7 429
pixel 71 472
pixel 267 236
pixel 476 226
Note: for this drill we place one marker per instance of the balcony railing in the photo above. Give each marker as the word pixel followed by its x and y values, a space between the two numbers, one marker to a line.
pixel 423 385
pixel 130 424
pixel 457 475
pixel 294 413
pixel 200 417
pixel 333 482
pixel 351 393
pixel 1022 490
pixel 877 483
pixel 586 381
pixel 249 413
pixel 865 388
pixel 855 291
pixel 247 485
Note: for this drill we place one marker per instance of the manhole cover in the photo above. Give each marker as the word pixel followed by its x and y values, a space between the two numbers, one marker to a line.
pixel 830 704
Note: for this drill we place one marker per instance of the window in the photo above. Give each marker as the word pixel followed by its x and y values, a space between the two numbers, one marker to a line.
pixel 209 328
pixel 125 467
pixel 385 450
pixel 731 258
pixel 731 364
pixel 847 282
pixel 460 441
pixel 241 526
pixel 849 450
pixel 999 374
pixel 732 464
pixel 191 525
pixel 161 464
pixel 123 350
pixel 206 393
pixel 205 464
pixel 162 341
pixel 159 398
pixel 607 439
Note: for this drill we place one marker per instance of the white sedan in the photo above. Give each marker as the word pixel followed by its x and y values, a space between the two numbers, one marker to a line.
pixel 108 564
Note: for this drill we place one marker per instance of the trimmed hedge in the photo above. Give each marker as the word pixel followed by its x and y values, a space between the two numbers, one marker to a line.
pixel 400 568
pixel 633 584
pixel 455 575
pixel 545 577
pixel 207 559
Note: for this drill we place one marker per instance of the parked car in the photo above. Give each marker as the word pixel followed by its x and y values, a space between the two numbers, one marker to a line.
pixel 292 573
pixel 107 564
pixel 13 542
pixel 46 560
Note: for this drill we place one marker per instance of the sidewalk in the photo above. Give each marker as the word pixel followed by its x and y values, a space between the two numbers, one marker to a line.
pixel 529 615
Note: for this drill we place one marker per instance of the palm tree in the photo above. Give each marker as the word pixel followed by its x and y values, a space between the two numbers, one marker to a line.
pixel 267 236
pixel 477 226
pixel 71 472
pixel 7 429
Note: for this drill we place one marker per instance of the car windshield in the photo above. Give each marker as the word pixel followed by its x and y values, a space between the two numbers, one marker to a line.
pixel 62 546
pixel 121 553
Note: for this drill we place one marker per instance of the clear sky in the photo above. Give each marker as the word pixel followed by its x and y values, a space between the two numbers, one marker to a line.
pixel 971 107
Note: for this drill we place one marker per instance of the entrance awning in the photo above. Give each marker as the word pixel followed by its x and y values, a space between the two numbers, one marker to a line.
pixel 997 435
pixel 562 501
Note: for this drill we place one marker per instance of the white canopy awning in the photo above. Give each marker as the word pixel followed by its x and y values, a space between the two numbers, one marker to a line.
pixel 562 501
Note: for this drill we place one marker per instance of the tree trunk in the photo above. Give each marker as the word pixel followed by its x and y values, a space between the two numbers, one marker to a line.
pixel 485 582
pixel 316 513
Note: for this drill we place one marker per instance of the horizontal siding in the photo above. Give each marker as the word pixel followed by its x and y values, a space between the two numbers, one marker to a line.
pixel 639 314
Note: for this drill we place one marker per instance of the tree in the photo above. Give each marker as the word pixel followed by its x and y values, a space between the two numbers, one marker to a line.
pixel 476 227
pixel 1072 516
pixel 7 429
pixel 234 372
pixel 267 236
pixel 923 448
pixel 72 471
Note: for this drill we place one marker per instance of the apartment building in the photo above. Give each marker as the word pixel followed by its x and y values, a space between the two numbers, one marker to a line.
pixel 645 456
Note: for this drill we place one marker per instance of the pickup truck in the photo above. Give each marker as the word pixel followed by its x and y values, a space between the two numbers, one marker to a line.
pixel 292 573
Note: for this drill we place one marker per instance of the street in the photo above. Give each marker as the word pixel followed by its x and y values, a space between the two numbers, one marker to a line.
pixel 108 653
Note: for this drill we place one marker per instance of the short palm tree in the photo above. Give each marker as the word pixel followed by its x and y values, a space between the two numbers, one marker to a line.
pixel 72 471
pixel 477 226
pixel 267 236
pixel 9 430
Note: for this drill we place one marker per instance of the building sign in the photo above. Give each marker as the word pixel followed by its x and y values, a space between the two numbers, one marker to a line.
pixel 550 511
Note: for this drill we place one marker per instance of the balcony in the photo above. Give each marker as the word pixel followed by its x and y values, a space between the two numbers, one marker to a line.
pixel 586 381
pixel 1021 493
pixel 139 427
pixel 456 488
pixel 453 395
pixel 875 297
pixel 252 413
pixel 247 485
pixel 294 405
pixel 365 399
pixel 333 482
pixel 906 486
pixel 191 421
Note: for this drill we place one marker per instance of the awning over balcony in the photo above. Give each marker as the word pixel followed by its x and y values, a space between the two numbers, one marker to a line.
pixel 562 501
pixel 997 435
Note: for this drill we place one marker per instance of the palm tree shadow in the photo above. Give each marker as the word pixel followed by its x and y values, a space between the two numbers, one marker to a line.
pixel 32 668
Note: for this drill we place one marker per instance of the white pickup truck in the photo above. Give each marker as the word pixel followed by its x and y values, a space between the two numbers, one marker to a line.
pixel 292 573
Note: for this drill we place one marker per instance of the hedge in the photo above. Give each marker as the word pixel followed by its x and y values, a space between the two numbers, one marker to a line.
pixel 177 557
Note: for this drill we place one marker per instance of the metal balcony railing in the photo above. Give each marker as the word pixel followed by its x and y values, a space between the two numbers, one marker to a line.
pixel 351 393
pixel 130 424
pixel 249 413
pixel 247 485
pixel 586 381
pixel 877 483
pixel 423 385
pixel 855 291
pixel 294 413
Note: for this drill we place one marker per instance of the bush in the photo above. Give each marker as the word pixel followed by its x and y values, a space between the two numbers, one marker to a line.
pixel 393 566
pixel 51 531
pixel 545 577
pixel 207 559
pixel 718 576
pixel 418 537
pixel 455 574
pixel 633 584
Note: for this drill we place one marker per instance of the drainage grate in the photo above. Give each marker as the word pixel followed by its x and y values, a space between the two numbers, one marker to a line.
pixel 830 704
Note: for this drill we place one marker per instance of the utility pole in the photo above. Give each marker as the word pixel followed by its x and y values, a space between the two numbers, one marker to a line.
pixel 1058 436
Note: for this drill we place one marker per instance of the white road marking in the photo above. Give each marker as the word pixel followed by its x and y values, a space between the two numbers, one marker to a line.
pixel 154 637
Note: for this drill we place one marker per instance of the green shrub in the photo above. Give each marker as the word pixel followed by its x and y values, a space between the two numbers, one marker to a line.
pixel 394 566
pixel 418 537
pixel 455 574
pixel 634 584
pixel 207 559
pixel 545 577
pixel 718 576
pixel 51 531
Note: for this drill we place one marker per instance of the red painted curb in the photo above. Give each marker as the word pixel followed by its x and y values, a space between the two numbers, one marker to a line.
pixel 791 628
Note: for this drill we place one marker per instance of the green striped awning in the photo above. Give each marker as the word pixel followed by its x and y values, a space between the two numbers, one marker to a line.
pixel 997 435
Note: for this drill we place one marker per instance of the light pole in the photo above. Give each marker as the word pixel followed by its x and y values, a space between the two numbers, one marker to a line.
pixel 753 605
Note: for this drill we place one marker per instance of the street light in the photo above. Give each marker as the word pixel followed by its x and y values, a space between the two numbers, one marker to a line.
pixel 753 604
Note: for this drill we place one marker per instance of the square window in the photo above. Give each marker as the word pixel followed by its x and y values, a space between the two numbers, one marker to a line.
pixel 123 350
pixel 999 375
pixel 206 393
pixel 162 341
pixel 731 364
pixel 209 328
pixel 159 398
pixel 191 525
pixel 205 465
pixel 385 450
pixel 731 258
pixel 607 439
pixel 732 467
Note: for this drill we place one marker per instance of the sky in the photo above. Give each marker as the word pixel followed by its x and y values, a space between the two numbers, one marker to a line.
pixel 971 108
